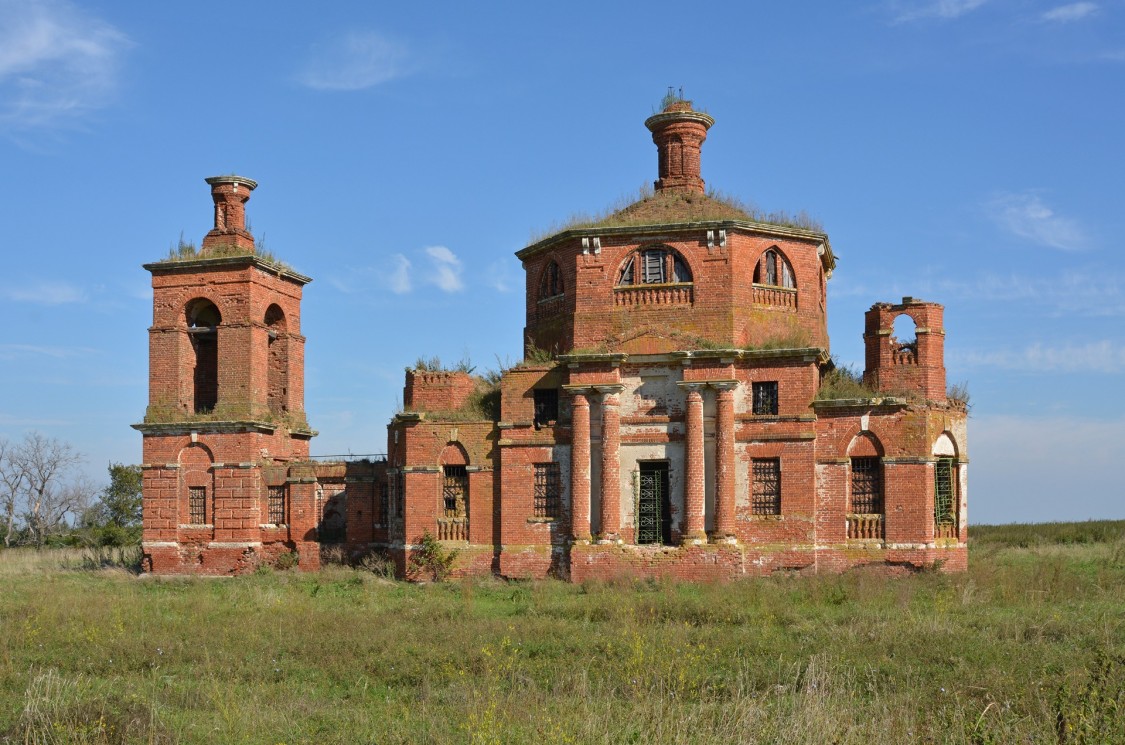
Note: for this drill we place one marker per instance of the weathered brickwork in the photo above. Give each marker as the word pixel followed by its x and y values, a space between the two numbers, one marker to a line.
pixel 668 421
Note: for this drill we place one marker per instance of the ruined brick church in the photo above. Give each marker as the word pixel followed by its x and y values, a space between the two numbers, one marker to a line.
pixel 674 414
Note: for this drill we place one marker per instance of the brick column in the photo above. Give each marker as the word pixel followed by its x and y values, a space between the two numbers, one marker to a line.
pixel 724 459
pixel 580 469
pixel 694 492
pixel 611 464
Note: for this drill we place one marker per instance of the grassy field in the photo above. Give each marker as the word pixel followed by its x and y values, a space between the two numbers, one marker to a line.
pixel 1028 646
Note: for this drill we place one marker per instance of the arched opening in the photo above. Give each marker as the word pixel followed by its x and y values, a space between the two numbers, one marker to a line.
pixel 947 492
pixel 551 283
pixel 654 265
pixel 903 335
pixel 203 320
pixel 277 376
pixel 774 269
pixel 866 502
pixel 453 523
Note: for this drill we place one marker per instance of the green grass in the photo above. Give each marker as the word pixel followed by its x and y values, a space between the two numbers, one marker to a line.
pixel 994 655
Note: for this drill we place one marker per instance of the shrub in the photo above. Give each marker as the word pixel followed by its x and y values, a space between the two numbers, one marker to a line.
pixel 432 558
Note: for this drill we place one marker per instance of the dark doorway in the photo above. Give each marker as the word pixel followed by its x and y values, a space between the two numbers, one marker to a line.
pixel 654 506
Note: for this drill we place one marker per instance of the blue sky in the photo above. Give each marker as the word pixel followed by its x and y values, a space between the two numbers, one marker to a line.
pixel 967 152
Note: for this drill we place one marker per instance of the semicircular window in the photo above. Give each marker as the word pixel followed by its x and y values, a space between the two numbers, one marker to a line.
pixel 657 265
pixel 774 269
pixel 551 283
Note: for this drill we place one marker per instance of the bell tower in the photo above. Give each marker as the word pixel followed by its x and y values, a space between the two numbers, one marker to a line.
pixel 225 419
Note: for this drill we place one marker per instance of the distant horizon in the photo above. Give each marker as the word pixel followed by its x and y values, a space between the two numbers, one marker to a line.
pixel 963 153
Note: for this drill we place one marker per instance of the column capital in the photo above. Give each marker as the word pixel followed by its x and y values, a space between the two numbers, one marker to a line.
pixel 692 386
pixel 610 388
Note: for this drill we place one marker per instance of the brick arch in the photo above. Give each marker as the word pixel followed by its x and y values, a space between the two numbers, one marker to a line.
pixel 946 445
pixel 865 444
pixel 195 461
pixel 277 359
pixel 197 307
pixel 454 454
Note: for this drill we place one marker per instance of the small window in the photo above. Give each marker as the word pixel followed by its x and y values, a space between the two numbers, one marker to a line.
pixel 551 284
pixel 275 507
pixel 197 505
pixel 867 486
pixel 455 490
pixel 766 498
pixel 774 270
pixel 546 406
pixel 654 266
pixel 765 398
pixel 547 488
pixel 381 506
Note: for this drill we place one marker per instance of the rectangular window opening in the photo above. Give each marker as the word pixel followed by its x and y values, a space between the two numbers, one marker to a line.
pixel 547 490
pixel 654 504
pixel 197 505
pixel 546 406
pixel 455 489
pixel 945 493
pixel 867 486
pixel 765 398
pixel 766 497
pixel 275 505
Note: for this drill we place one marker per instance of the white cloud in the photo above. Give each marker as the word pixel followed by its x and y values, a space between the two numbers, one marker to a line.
pixel 1069 12
pixel 45 293
pixel 446 269
pixel 1093 357
pixel 398 278
pixel 1026 216
pixel 57 63
pixel 354 61
pixel 941 9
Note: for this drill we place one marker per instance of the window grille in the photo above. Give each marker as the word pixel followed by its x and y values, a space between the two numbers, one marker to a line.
pixel 546 406
pixel 765 398
pixel 867 486
pixel 547 487
pixel 381 507
pixel 197 505
pixel 654 514
pixel 275 505
pixel 945 502
pixel 454 490
pixel 766 498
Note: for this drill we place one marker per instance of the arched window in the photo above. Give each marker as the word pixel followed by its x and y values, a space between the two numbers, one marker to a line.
pixel 277 376
pixel 203 320
pixel 657 265
pixel 773 269
pixel 551 283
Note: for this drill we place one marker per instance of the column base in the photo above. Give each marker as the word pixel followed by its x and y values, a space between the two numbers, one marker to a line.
pixel 694 539
pixel 727 539
pixel 611 539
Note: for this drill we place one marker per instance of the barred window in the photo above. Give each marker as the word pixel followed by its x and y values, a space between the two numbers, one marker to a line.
pixel 945 493
pixel 455 489
pixel 867 486
pixel 765 398
pixel 766 497
pixel 197 505
pixel 381 506
pixel 547 487
pixel 275 505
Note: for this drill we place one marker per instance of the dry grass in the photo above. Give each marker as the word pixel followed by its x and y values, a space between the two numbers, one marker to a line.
pixel 994 655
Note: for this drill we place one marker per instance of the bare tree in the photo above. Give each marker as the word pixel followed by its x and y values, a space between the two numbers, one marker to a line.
pixel 12 482
pixel 46 463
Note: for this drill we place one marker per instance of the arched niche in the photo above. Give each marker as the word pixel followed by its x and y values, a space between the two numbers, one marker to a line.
pixel 197 488
pixel 277 375
pixel 865 445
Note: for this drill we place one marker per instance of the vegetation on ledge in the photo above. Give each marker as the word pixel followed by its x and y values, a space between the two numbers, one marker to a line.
pixel 188 251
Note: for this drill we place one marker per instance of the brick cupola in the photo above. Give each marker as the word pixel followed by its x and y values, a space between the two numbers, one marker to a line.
pixel 679 132
pixel 230 194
